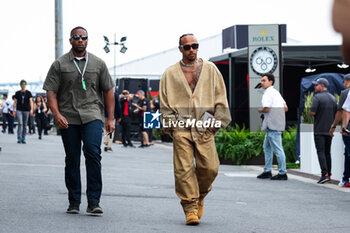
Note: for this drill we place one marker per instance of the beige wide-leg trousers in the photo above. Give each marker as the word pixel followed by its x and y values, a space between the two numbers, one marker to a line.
pixel 196 165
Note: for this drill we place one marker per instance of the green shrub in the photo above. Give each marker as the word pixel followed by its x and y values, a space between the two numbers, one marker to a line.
pixel 156 134
pixel 289 143
pixel 239 144
pixel 307 118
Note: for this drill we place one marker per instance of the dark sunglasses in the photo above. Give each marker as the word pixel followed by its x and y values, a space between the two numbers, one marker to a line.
pixel 77 37
pixel 188 47
pixel 23 83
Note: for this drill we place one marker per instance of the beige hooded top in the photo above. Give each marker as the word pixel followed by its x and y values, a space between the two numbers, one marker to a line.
pixel 178 103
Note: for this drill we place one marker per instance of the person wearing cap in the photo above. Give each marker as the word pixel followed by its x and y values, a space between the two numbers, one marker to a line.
pixel 142 107
pixel 346 138
pixel 125 122
pixel 323 108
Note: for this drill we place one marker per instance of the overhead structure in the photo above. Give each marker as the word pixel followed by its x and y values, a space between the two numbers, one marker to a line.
pixel 294 62
pixel 264 48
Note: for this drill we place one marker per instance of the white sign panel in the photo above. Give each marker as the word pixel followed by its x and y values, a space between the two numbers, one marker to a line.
pixel 263 57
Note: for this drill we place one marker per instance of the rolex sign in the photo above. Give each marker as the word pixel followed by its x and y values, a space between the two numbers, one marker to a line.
pixel 263 57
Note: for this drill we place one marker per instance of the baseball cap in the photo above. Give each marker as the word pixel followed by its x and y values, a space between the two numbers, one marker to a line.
pixel 347 77
pixel 321 81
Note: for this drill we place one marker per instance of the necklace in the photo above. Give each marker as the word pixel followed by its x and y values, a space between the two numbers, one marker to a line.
pixel 188 65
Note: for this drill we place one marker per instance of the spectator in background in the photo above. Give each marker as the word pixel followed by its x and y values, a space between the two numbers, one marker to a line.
pixel 22 108
pixel 125 118
pixel 5 113
pixel 11 115
pixel 155 105
pixel 346 138
pixel 323 108
pixel 39 111
pixel 108 138
pixel 274 108
pixel 31 124
pixel 48 116
pixel 141 107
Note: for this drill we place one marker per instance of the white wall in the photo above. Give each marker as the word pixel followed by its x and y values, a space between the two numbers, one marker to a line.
pixel 308 155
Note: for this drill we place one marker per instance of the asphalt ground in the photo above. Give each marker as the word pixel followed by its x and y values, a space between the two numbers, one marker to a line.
pixel 138 195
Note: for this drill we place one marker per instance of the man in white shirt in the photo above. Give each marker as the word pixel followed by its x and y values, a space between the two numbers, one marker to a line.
pixel 274 108
pixel 5 113
pixel 11 118
pixel 345 115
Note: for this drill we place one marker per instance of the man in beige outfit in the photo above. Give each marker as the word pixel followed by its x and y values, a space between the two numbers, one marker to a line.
pixel 191 93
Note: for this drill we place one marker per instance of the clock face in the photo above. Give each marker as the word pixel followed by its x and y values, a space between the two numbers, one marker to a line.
pixel 263 60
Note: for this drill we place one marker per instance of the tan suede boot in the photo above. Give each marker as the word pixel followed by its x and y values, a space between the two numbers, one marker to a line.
pixel 200 208
pixel 192 219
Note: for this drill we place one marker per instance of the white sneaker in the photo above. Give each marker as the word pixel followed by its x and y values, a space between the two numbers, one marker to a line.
pixel 343 183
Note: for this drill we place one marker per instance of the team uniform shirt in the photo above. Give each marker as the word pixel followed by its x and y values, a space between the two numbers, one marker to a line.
pixel 142 103
pixel 77 105
pixel 275 119
pixel 178 103
pixel 125 108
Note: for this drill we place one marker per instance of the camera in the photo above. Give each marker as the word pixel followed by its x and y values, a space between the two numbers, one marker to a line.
pixel 346 131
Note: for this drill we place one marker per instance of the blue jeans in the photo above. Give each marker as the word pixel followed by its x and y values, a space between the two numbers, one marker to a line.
pixel 273 144
pixel 91 136
pixel 22 117
pixel 346 174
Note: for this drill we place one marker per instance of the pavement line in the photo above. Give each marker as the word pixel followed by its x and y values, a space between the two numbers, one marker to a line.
pixel 31 165
pixel 306 180
pixel 167 146
pixel 83 167
pixel 239 175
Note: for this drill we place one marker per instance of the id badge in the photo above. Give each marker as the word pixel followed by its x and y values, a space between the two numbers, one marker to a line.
pixel 84 85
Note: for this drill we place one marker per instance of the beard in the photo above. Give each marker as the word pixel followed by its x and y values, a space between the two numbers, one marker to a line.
pixel 79 49
pixel 192 57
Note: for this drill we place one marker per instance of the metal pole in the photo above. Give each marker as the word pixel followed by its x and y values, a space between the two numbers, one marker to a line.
pixel 58 29
pixel 115 43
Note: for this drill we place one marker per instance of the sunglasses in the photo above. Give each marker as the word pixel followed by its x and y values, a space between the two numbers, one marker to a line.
pixel 77 37
pixel 188 47
pixel 23 83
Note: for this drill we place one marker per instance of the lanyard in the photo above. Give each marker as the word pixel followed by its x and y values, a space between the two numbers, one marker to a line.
pixel 82 73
